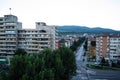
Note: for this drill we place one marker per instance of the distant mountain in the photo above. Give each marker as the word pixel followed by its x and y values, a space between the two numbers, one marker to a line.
pixel 85 29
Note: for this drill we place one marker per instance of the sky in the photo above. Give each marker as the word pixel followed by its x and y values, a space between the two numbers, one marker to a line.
pixel 90 13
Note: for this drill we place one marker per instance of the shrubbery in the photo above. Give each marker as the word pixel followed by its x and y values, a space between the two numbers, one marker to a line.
pixel 47 65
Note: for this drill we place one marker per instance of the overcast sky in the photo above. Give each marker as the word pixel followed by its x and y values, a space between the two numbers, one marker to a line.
pixel 91 13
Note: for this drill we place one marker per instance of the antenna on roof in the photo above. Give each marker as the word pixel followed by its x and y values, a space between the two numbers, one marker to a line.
pixel 10 10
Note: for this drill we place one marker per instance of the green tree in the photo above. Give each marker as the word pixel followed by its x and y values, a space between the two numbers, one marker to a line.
pixel 25 77
pixel 47 65
pixel 93 43
pixel 85 46
pixel 53 61
pixel 103 61
pixel 76 44
pixel 3 76
pixel 49 74
pixel 18 66
pixel 68 59
pixel 20 51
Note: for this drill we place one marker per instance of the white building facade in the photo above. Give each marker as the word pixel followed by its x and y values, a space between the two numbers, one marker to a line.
pixel 12 36
pixel 114 47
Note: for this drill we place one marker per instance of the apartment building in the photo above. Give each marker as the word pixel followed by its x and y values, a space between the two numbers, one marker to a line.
pixel 108 46
pixel 91 47
pixel 12 36
pixel 114 47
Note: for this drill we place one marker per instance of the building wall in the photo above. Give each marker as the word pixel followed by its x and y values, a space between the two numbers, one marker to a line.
pixel 12 36
pixel 104 46
pixel 114 49
pixel 108 46
pixel 8 34
pixel 91 49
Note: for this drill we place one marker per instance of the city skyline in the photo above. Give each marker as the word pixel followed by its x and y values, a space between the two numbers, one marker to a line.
pixel 90 13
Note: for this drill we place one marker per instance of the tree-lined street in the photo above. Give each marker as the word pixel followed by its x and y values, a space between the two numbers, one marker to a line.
pixel 84 73
pixel 81 69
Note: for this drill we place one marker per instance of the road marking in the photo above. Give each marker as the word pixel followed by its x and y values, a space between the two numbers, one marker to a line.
pixel 78 71
pixel 91 72
pixel 83 78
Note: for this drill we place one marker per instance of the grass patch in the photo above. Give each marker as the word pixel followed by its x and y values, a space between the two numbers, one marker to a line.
pixel 101 67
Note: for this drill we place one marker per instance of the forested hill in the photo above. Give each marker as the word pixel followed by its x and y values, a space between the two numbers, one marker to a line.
pixel 85 29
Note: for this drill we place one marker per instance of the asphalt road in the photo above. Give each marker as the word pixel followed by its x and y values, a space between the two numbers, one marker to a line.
pixel 105 75
pixel 84 73
pixel 81 69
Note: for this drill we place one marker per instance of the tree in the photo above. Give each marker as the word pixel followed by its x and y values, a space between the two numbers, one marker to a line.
pixel 77 43
pixel 74 46
pixel 103 61
pixel 53 61
pixel 20 51
pixel 49 75
pixel 85 46
pixel 47 65
pixel 68 59
pixel 93 43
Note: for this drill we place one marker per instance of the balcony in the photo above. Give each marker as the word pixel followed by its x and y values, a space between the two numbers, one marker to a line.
pixel 10 24
pixel 2 44
pixel 2 52
pixel 44 45
pixel 2 32
pixel 10 41
pixel 31 48
pixel 11 49
pixel 1 37
pixel 32 33
pixel 3 49
pixel 10 44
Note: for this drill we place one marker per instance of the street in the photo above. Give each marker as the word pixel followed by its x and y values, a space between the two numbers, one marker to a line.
pixel 84 73
pixel 105 75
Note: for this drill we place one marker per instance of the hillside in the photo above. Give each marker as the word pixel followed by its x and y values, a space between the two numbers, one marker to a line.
pixel 85 29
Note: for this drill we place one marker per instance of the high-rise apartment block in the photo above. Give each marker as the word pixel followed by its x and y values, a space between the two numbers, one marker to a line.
pixel 12 36
pixel 108 46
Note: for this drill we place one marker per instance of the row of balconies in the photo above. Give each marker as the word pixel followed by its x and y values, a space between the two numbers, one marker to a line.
pixel 23 37
pixel 8 41
pixel 3 52
pixel 26 48
pixel 7 44
pixel 8 23
pixel 7 48
pixel 11 43
pixel 22 33
pixel 32 48
pixel 34 41
pixel 33 45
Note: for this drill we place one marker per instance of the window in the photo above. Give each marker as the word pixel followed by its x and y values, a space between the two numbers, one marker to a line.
pixel 44 39
pixel 1 19
pixel 42 31
pixel 1 23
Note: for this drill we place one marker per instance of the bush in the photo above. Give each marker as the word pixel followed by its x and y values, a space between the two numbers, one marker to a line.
pixel 47 65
